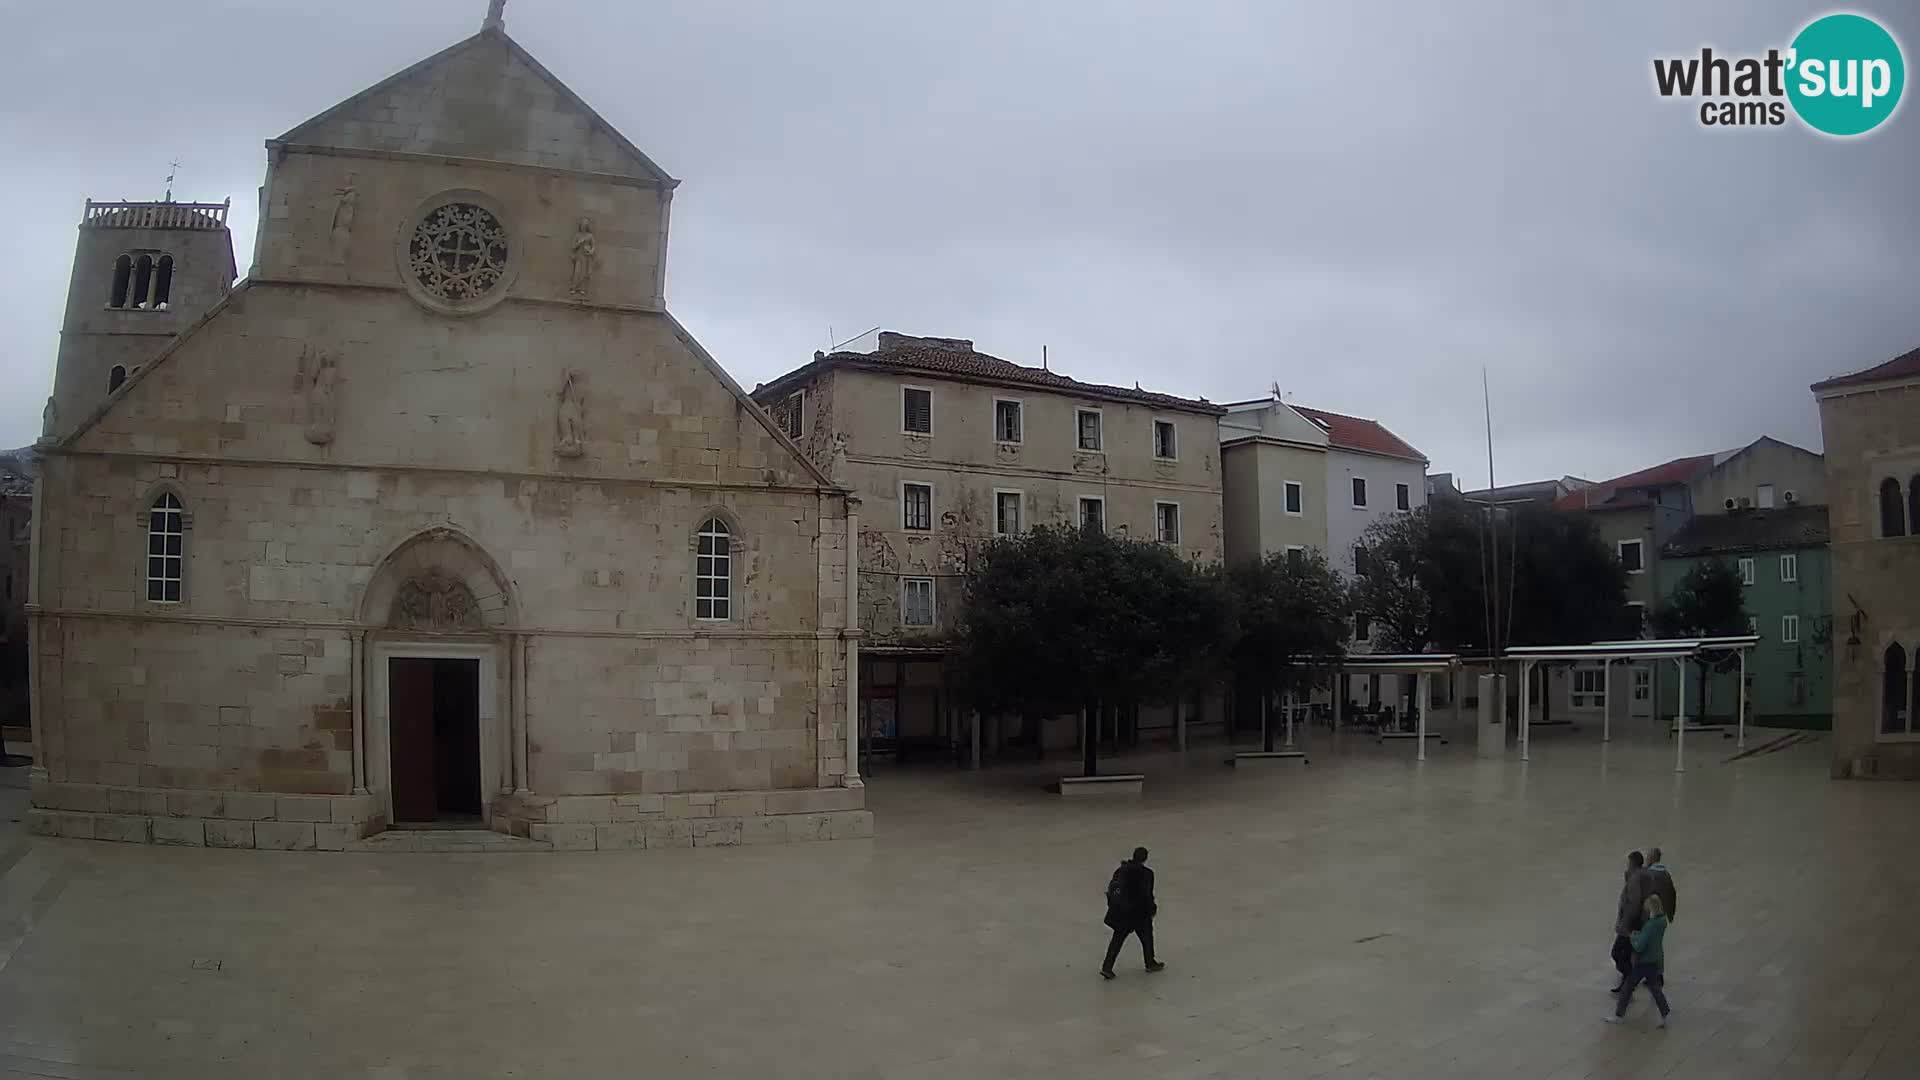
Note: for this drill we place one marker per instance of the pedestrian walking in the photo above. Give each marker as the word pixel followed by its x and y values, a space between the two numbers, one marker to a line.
pixel 1130 910
pixel 1660 880
pixel 1649 963
pixel 1628 916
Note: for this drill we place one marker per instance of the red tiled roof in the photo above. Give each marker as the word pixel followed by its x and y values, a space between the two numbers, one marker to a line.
pixel 1358 433
pixel 1624 492
pixel 1904 366
pixel 968 364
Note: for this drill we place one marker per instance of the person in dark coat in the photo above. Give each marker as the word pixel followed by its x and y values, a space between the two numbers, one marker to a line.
pixel 1660 882
pixel 1628 916
pixel 1130 910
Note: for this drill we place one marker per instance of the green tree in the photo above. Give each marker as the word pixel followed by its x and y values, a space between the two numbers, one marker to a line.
pixel 1291 616
pixel 1060 618
pixel 1709 600
pixel 1393 586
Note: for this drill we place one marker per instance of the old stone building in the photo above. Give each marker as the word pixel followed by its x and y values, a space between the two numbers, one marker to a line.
pixel 438 518
pixel 948 447
pixel 1870 422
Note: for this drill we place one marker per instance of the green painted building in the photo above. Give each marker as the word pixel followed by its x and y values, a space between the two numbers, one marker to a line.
pixel 1782 558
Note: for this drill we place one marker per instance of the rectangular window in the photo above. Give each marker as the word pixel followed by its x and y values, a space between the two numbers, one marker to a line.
pixel 916 601
pixel 1296 498
pixel 1763 496
pixel 1008 421
pixel 1789 568
pixel 1796 688
pixel 1296 557
pixel 916 507
pixel 916 411
pixel 1087 421
pixel 1093 514
pixel 1362 628
pixel 1630 556
pixel 1589 687
pixel 1166 517
pixel 1753 624
pixel 1642 684
pixel 1402 497
pixel 1164 446
pixel 1360 559
pixel 1746 572
pixel 1006 513
pixel 1790 629
pixel 1637 617
pixel 793 415
pixel 1359 491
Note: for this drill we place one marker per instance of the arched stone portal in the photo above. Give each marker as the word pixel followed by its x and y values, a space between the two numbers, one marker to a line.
pixel 441 722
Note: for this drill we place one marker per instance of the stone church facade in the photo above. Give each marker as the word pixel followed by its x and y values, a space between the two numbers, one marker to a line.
pixel 438 517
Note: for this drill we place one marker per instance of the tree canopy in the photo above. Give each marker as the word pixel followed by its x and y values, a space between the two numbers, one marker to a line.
pixel 1057 617
pixel 1423 581
pixel 1707 601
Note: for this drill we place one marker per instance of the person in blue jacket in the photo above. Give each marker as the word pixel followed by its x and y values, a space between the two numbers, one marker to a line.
pixel 1649 962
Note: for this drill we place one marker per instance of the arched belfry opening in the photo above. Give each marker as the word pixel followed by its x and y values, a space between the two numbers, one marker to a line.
pixel 438 612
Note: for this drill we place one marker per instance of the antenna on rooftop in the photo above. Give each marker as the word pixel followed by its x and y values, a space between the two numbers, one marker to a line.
pixel 1043 359
pixel 173 170
pixel 1276 391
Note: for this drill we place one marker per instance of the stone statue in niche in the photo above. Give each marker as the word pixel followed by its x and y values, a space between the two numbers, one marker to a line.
pixel 435 602
pixel 837 460
pixel 49 419
pixel 318 380
pixel 347 201
pixel 583 247
pixel 571 419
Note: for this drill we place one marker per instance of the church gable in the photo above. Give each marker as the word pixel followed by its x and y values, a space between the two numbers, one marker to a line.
pixel 484 98
pixel 368 380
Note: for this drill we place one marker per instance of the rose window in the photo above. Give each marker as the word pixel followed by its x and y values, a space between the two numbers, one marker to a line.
pixel 458 252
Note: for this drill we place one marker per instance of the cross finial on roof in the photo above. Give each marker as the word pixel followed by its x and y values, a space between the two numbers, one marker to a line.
pixel 496 15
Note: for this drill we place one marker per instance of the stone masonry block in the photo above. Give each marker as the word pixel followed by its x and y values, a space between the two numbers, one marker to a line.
pixel 232 834
pixel 716 832
pixel 563 837
pixel 200 804
pixel 617 837
pixel 740 804
pixel 43 822
pixel 185 832
pixel 683 806
pixel 668 832
pixel 123 801
pixel 85 798
pixel 303 808
pixel 815 800
pixel 763 830
pixel 331 837
pixel 353 810
pixel 126 829
pixel 72 825
pixel 577 809
pixel 284 835
pixel 249 806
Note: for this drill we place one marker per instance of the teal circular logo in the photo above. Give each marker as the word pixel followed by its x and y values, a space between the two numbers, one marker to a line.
pixel 1845 74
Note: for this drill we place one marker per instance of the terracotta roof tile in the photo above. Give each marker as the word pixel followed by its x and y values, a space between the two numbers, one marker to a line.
pixel 1624 492
pixel 1358 433
pixel 1774 529
pixel 969 364
pixel 1904 366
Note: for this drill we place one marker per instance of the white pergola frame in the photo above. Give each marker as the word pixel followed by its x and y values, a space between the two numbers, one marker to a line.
pixel 1421 665
pixel 1678 650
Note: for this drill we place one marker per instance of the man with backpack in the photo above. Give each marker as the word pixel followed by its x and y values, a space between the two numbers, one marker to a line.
pixel 1130 910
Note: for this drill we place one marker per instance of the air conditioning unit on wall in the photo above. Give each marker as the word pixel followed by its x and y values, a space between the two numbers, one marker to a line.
pixel 1730 504
pixel 1790 495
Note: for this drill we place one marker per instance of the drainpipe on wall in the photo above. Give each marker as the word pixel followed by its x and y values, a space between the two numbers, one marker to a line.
pixel 852 775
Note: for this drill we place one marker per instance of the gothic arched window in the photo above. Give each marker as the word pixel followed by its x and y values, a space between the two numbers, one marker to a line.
pixel 122 278
pixel 162 282
pixel 1892 513
pixel 142 281
pixel 1894 717
pixel 115 377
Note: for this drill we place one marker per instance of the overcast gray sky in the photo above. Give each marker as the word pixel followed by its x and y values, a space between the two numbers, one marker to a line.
pixel 1363 202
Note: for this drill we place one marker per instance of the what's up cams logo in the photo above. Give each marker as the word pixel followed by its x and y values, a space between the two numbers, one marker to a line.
pixel 1842 75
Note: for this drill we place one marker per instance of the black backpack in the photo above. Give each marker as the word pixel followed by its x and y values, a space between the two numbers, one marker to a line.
pixel 1117 897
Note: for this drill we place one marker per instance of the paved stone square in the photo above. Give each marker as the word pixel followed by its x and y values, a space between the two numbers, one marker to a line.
pixel 1360 917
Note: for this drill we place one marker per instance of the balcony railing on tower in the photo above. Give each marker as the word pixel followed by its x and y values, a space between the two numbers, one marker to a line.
pixel 155 215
